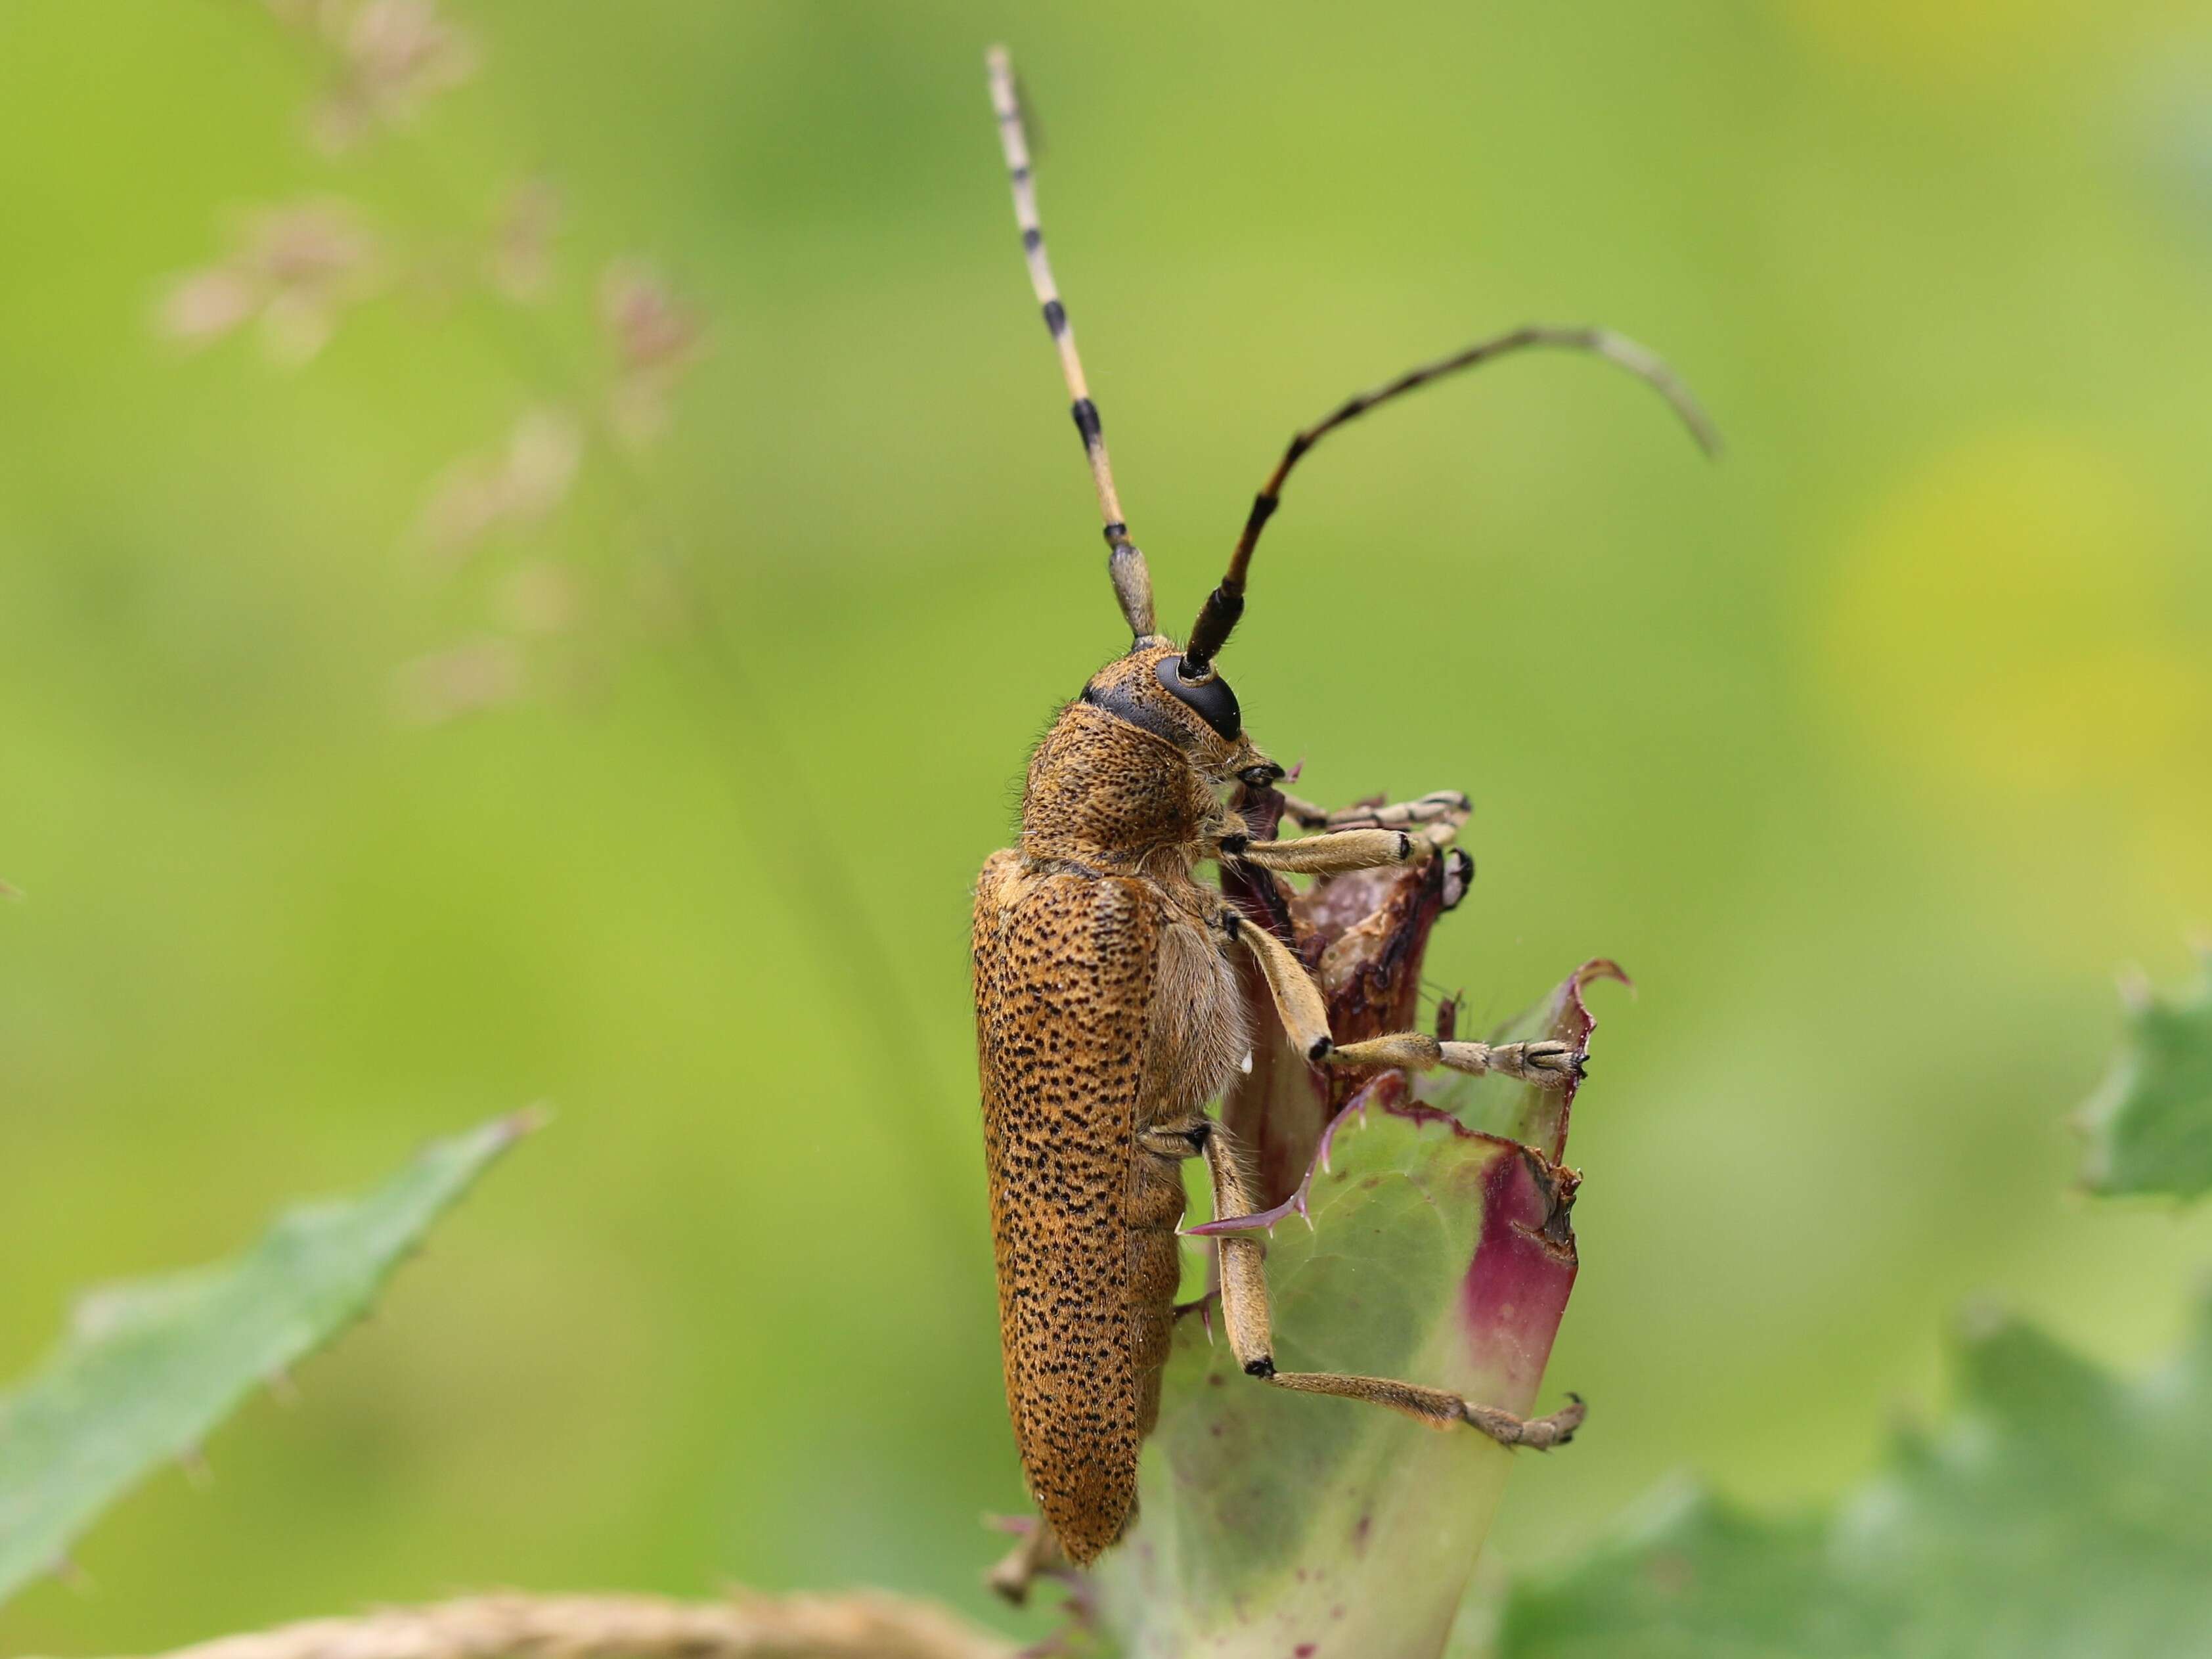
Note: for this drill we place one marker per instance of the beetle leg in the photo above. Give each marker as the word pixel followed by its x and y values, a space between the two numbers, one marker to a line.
pixel 1185 1137
pixel 1339 852
pixel 1038 1553
pixel 1251 1338
pixel 1547 1065
pixel 1240 1256
pixel 1437 806
pixel 1441 1409
pixel 1298 1005
pixel 1297 999
pixel 1358 837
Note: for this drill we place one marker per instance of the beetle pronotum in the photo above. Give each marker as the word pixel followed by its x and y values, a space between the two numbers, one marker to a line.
pixel 1108 1012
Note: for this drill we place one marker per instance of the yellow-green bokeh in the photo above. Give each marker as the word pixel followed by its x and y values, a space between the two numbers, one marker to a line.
pixel 1872 750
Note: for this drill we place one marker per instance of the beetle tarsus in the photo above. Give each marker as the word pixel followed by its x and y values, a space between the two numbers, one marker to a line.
pixel 1548 1065
pixel 1538 1433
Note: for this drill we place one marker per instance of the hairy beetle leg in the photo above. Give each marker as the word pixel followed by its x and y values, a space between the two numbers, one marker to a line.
pixel 1439 806
pixel 1541 1432
pixel 1341 852
pixel 1358 838
pixel 1440 1409
pixel 1547 1065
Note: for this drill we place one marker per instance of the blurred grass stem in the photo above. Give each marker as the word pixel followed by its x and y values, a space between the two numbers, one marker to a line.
pixel 767 766
pixel 865 1626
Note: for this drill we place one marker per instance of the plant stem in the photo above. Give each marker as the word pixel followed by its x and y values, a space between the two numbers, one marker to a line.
pixel 507 1626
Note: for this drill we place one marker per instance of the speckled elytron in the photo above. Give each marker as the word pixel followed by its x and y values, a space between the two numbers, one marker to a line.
pixel 1108 1007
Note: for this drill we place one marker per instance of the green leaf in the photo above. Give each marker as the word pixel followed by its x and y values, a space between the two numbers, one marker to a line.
pixel 2059 1510
pixel 1279 1524
pixel 2150 1124
pixel 147 1369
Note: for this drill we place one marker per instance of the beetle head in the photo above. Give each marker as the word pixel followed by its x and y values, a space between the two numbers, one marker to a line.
pixel 1150 689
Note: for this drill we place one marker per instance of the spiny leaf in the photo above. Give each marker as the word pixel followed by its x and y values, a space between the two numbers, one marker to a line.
pixel 148 1368
pixel 2059 1510
pixel 2149 1125
pixel 1279 1524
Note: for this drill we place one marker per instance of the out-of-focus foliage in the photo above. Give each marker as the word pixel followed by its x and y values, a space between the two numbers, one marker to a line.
pixel 2057 1511
pixel 149 1368
pixel 1867 747
pixel 2150 1126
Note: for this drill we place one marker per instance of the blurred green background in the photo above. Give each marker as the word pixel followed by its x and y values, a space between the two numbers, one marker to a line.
pixel 1872 750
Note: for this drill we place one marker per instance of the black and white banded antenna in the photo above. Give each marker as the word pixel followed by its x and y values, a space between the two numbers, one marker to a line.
pixel 1124 561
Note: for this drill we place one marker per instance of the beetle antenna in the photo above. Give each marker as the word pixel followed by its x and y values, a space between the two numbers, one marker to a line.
pixel 1227 602
pixel 1125 562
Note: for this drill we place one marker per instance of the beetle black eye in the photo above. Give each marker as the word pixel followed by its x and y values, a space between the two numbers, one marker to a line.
pixel 1210 699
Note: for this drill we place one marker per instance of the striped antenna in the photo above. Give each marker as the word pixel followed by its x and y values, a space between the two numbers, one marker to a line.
pixel 1124 564
pixel 1227 602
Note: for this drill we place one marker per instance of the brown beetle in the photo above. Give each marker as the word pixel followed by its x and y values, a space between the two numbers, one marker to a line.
pixel 1108 1012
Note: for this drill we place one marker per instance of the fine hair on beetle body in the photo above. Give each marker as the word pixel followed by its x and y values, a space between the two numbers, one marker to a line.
pixel 1109 1012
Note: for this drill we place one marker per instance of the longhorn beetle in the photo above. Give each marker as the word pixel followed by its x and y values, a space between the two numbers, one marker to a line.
pixel 1107 1005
